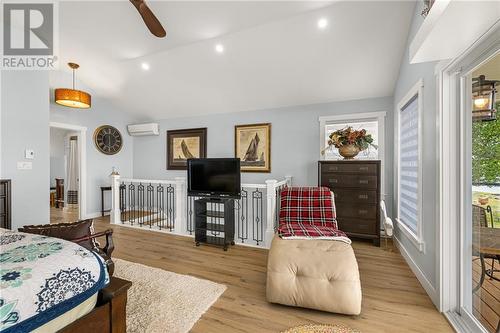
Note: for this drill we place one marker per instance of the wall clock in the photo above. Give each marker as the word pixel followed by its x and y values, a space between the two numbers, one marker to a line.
pixel 108 140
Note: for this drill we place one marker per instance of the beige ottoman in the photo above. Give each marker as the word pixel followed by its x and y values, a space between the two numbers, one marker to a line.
pixel 316 274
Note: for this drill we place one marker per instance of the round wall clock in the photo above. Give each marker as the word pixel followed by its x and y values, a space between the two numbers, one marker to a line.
pixel 108 140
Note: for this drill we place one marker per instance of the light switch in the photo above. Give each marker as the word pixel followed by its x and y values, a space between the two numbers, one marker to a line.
pixel 29 154
pixel 24 165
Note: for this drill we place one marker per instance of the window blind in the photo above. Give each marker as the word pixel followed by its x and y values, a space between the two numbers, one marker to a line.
pixel 408 164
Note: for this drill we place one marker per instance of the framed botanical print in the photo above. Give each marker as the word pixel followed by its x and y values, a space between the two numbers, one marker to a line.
pixel 252 145
pixel 184 144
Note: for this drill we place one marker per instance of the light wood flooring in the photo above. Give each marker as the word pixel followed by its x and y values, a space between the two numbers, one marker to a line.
pixel 393 300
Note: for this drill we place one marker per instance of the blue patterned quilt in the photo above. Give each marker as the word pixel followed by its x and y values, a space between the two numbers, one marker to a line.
pixel 43 277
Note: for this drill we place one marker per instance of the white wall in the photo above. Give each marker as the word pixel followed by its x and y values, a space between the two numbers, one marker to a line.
pixel 57 155
pixel 98 165
pixel 24 124
pixel 409 74
pixel 295 140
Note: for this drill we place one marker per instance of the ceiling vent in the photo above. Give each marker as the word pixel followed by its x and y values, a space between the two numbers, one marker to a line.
pixel 144 129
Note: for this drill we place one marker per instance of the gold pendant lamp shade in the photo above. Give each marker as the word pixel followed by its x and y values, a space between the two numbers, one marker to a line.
pixel 71 97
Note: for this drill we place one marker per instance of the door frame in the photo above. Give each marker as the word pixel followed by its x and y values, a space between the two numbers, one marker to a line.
pixel 82 148
pixel 454 169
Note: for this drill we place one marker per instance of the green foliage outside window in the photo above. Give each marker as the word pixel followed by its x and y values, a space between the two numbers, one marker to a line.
pixel 486 151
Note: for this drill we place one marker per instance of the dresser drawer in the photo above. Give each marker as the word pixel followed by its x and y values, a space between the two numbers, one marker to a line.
pixel 350 168
pixel 356 210
pixel 366 227
pixel 358 196
pixel 354 181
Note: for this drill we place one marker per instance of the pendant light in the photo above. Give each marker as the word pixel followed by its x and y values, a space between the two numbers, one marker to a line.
pixel 71 97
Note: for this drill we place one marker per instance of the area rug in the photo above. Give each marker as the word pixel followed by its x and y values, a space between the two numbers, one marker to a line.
pixel 321 329
pixel 162 301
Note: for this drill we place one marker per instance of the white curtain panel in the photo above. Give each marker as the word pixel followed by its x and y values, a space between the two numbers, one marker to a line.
pixel 73 171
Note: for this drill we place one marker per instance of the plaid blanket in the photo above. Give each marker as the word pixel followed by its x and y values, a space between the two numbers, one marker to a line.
pixel 308 212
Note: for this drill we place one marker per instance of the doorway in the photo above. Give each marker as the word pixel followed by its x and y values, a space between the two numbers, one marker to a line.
pixel 482 172
pixel 470 188
pixel 67 173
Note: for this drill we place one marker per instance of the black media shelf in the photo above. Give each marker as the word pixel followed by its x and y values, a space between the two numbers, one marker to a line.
pixel 214 225
pixel 212 213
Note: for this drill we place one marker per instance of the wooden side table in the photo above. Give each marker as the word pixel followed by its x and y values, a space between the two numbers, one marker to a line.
pixel 104 189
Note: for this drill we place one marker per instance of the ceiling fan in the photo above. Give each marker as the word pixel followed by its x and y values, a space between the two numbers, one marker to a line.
pixel 149 18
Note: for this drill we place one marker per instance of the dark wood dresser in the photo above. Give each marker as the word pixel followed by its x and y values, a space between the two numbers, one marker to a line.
pixel 5 206
pixel 356 185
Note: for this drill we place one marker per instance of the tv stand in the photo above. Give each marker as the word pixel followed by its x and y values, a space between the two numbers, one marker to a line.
pixel 214 221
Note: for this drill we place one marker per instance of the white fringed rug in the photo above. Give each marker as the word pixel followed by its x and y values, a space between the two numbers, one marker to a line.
pixel 162 301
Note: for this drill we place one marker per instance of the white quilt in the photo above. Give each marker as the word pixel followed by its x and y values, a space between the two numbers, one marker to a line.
pixel 43 277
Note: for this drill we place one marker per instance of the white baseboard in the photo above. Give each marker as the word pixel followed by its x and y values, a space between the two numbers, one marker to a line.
pixel 426 284
pixel 95 215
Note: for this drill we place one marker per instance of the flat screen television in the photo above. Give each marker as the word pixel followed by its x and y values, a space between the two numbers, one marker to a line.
pixel 215 177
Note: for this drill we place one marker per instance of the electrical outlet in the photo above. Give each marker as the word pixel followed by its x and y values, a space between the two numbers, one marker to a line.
pixel 24 165
pixel 29 154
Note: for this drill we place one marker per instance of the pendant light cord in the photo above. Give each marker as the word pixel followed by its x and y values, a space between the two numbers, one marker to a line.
pixel 73 79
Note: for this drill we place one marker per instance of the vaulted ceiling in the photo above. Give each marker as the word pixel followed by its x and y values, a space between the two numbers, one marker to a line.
pixel 274 54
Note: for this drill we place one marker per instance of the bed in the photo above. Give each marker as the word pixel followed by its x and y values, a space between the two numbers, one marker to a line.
pixel 47 284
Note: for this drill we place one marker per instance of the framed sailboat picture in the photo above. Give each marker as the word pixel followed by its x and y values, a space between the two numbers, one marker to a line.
pixel 184 144
pixel 252 144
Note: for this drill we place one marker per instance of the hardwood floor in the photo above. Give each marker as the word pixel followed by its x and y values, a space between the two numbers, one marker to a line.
pixel 393 300
pixel 59 215
pixel 486 301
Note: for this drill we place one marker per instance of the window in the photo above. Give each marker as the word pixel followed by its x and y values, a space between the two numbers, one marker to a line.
pixel 372 122
pixel 371 127
pixel 409 165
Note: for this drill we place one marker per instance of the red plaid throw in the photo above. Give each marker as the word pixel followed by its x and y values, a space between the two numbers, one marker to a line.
pixel 308 212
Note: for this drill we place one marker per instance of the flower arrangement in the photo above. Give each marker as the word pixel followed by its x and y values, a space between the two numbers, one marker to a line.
pixel 358 140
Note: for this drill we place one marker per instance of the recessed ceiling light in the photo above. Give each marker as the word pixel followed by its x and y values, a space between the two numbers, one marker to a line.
pixel 145 66
pixel 322 23
pixel 219 48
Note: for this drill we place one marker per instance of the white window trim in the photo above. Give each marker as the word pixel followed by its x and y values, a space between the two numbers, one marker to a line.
pixel 378 116
pixel 416 239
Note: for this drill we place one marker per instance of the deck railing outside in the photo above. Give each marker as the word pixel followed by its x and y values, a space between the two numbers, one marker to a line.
pixel 163 205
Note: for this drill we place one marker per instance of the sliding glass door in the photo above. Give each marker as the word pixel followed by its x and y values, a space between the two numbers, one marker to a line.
pixel 480 195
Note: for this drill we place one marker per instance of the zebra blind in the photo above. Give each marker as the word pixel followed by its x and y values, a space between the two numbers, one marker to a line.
pixel 408 164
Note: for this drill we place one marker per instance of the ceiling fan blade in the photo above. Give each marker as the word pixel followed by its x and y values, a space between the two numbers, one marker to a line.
pixel 149 18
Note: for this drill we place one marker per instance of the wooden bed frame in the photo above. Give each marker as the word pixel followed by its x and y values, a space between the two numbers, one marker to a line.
pixel 109 315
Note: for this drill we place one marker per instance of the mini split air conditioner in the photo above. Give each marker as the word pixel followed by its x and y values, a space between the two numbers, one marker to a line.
pixel 143 129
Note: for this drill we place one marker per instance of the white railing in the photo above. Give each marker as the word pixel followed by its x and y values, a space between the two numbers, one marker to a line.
pixel 163 205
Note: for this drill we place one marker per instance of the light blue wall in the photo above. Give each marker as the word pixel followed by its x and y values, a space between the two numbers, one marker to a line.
pixel 99 165
pixel 409 74
pixel 24 119
pixel 295 140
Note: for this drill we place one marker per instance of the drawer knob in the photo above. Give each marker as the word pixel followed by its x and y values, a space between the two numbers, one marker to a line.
pixel 363 181
pixel 333 181
pixel 363 196
pixel 363 168
pixel 362 211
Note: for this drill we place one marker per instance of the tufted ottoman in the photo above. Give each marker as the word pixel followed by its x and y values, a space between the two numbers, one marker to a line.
pixel 312 273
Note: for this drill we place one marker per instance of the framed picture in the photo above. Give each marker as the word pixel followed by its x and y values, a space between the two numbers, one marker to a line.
pixel 252 144
pixel 184 144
